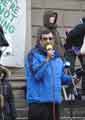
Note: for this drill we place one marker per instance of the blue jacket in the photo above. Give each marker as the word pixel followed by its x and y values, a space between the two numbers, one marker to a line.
pixel 44 79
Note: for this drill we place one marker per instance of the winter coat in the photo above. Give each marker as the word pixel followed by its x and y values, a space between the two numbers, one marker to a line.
pixel 76 36
pixel 44 79
pixel 8 112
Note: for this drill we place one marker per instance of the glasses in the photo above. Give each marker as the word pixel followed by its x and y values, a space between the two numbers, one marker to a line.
pixel 46 38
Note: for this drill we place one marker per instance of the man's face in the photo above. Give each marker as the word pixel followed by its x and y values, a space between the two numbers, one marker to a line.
pixel 51 19
pixel 47 39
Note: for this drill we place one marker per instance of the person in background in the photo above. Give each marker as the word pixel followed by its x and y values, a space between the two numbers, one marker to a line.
pixel 50 19
pixel 74 42
pixel 7 106
pixel 44 78
pixel 75 46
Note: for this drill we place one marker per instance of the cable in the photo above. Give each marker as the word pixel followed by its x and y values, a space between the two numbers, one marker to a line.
pixel 53 93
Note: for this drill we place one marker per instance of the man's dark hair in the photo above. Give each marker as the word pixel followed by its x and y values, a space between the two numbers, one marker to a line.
pixel 43 30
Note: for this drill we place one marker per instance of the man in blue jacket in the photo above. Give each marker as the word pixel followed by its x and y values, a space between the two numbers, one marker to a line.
pixel 44 75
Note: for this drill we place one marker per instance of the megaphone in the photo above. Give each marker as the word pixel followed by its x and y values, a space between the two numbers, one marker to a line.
pixel 49 47
pixel 50 50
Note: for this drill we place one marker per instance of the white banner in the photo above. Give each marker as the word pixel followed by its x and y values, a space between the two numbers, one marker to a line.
pixel 13 21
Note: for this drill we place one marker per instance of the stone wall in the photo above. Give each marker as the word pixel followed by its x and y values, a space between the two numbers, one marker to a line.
pixel 69 14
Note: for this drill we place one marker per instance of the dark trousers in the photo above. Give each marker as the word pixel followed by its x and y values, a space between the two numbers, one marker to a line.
pixel 43 111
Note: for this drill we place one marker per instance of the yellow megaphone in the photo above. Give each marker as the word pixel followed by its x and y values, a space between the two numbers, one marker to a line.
pixel 49 47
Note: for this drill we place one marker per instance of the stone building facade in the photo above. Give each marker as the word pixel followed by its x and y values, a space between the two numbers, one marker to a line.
pixel 69 14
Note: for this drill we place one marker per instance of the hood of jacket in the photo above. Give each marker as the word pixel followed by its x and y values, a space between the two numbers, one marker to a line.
pixel 46 22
